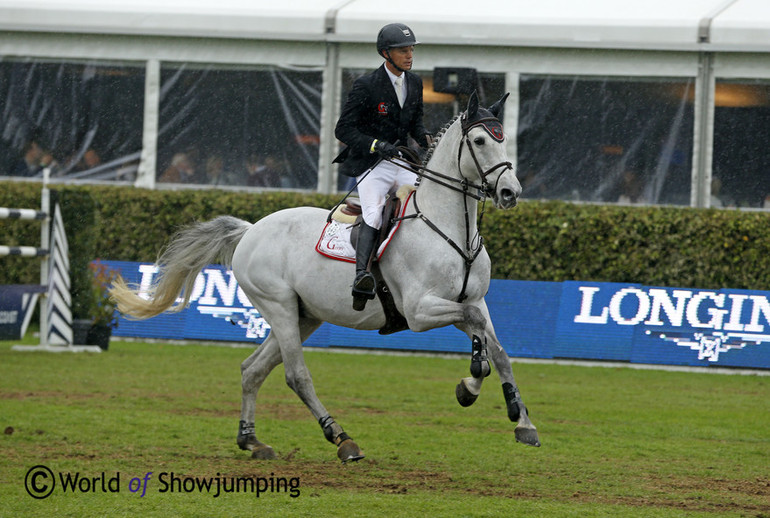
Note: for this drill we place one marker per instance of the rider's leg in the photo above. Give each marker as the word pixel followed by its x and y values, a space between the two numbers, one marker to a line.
pixel 405 177
pixel 371 191
pixel 364 283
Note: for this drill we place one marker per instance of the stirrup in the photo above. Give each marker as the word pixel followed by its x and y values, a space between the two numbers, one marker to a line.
pixel 363 290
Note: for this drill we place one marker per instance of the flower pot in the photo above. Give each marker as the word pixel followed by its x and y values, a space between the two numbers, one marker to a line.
pixel 99 335
pixel 80 329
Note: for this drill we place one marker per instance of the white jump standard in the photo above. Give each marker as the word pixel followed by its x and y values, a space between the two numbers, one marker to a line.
pixel 56 302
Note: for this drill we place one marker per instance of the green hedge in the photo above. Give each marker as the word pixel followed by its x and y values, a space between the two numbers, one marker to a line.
pixel 546 241
pixel 659 246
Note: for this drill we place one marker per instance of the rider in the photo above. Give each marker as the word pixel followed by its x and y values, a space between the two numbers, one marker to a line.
pixel 382 110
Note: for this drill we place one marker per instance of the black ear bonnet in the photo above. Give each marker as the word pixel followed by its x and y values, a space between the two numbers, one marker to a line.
pixel 485 118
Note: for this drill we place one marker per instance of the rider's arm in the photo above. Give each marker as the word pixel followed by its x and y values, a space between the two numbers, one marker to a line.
pixel 348 129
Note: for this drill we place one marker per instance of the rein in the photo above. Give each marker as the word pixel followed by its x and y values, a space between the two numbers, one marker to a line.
pixel 466 188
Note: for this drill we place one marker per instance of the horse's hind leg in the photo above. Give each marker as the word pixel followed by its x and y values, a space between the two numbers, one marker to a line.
pixel 299 379
pixel 290 336
pixel 254 371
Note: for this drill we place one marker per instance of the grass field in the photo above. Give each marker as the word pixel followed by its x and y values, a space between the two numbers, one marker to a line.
pixel 616 441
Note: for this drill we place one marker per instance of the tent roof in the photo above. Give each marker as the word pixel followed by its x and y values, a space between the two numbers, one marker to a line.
pixel 745 23
pixel 295 20
pixel 562 23
pixel 738 25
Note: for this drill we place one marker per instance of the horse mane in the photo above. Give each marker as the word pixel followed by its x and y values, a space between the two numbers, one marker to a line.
pixel 437 139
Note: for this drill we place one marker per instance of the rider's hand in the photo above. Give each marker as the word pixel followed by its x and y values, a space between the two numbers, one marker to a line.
pixel 386 150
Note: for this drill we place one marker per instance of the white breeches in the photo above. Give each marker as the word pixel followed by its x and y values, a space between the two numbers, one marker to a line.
pixel 376 185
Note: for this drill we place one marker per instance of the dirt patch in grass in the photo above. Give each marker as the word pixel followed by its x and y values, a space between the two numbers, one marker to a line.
pixel 372 475
pixel 21 396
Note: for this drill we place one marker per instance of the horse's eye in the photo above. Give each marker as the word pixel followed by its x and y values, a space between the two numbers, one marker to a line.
pixel 479 141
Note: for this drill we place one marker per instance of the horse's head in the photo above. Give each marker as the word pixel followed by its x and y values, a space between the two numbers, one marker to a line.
pixel 483 159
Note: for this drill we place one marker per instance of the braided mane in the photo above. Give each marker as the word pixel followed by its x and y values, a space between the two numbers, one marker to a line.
pixel 437 139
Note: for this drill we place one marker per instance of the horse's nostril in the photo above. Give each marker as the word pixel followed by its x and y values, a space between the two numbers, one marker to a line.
pixel 507 194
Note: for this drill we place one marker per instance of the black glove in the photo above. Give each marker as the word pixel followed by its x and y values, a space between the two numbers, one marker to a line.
pixel 386 150
pixel 425 140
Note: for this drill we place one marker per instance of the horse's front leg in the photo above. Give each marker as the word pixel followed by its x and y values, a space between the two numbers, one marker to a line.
pixel 474 320
pixel 433 312
pixel 468 390
pixel 517 412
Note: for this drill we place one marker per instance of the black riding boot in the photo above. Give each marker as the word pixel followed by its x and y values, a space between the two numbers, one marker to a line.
pixel 364 284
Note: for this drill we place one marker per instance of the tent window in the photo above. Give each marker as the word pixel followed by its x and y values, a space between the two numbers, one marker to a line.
pixel 82 120
pixel 741 160
pixel 605 140
pixel 224 126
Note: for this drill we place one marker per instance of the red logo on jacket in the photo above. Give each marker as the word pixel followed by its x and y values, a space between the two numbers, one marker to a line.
pixel 382 108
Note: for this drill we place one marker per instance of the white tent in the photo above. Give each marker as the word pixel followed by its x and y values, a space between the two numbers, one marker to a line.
pixel 704 40
pixel 729 25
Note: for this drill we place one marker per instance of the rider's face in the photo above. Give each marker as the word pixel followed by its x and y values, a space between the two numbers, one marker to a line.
pixel 402 57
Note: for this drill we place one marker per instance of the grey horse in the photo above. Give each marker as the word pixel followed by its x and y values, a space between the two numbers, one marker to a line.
pixel 435 267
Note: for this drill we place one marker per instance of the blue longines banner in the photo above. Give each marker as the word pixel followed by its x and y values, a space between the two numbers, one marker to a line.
pixel 572 320
pixel 17 302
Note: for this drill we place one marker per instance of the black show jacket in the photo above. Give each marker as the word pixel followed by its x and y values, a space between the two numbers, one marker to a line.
pixel 372 112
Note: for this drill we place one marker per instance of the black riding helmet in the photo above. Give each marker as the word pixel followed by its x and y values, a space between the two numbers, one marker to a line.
pixel 394 35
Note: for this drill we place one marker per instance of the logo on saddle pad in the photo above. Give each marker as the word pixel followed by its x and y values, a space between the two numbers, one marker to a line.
pixel 335 241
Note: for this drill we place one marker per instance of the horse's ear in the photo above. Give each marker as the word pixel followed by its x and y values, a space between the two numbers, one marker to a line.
pixel 497 108
pixel 473 106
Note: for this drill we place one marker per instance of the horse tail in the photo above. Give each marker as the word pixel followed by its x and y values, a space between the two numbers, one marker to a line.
pixel 190 250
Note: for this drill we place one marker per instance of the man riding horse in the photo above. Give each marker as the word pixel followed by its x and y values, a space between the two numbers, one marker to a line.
pixel 382 110
pixel 297 289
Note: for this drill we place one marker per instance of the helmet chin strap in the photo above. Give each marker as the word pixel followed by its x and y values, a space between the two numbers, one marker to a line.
pixel 386 55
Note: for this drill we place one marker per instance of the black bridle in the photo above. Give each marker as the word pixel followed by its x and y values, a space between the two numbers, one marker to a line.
pixel 473 244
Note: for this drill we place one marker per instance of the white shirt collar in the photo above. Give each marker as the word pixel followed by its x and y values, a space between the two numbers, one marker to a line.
pixel 393 76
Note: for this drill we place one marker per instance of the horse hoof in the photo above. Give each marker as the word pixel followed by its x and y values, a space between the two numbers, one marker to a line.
pixel 348 451
pixel 248 442
pixel 527 435
pixel 263 452
pixel 464 396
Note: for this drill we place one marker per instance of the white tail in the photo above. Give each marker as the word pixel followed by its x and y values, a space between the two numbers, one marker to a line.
pixel 189 251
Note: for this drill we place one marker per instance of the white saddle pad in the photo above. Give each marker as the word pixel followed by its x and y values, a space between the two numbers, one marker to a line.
pixel 334 242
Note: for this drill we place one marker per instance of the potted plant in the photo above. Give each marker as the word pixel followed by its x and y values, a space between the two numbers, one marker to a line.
pixel 101 310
